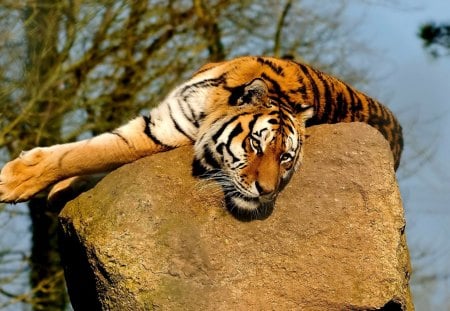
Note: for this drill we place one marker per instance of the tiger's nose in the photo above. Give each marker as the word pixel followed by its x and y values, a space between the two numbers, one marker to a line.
pixel 264 189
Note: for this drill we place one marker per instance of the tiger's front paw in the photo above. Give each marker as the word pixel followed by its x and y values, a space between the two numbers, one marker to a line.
pixel 22 178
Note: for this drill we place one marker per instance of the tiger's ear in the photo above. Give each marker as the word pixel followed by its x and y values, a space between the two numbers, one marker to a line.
pixel 304 112
pixel 254 93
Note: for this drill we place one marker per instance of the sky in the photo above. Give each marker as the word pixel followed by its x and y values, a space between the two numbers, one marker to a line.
pixel 416 87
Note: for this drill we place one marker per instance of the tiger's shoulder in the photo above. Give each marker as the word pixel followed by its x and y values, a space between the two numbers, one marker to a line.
pixel 290 82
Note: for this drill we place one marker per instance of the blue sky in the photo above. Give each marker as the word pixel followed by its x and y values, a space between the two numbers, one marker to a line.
pixel 417 88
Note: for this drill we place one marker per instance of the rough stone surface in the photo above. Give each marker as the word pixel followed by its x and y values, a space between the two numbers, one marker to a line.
pixel 151 237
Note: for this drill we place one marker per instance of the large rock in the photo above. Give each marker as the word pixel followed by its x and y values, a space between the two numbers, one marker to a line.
pixel 151 237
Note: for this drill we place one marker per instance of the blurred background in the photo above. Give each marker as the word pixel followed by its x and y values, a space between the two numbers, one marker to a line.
pixel 70 69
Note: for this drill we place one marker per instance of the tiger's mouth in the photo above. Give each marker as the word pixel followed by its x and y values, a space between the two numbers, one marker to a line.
pixel 247 208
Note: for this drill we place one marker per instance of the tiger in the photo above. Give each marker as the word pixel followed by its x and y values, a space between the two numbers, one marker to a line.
pixel 246 119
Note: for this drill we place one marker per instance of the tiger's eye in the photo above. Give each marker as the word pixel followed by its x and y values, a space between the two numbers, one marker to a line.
pixel 286 157
pixel 255 145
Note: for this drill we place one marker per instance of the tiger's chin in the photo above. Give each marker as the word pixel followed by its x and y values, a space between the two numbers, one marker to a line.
pixel 241 206
pixel 247 208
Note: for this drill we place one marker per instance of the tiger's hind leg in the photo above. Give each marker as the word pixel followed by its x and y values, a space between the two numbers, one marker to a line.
pixel 35 170
pixel 69 188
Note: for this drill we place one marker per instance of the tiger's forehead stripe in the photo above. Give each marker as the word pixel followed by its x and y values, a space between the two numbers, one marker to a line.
pixel 275 128
pixel 222 128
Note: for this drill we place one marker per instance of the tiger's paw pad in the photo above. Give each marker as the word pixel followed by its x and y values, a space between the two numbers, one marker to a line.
pixel 23 177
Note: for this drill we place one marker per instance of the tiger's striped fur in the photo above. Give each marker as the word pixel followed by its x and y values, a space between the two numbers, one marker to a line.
pixel 245 117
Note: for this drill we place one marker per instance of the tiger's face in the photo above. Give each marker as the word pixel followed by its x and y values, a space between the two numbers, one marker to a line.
pixel 252 150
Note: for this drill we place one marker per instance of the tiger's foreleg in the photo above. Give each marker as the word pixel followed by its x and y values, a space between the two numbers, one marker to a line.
pixel 34 170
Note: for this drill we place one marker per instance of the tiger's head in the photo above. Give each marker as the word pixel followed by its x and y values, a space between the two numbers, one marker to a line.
pixel 252 149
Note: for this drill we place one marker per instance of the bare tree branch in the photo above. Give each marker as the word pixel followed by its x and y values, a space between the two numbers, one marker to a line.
pixel 280 27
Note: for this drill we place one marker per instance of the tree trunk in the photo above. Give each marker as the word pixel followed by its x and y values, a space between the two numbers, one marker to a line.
pixel 46 274
pixel 42 21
